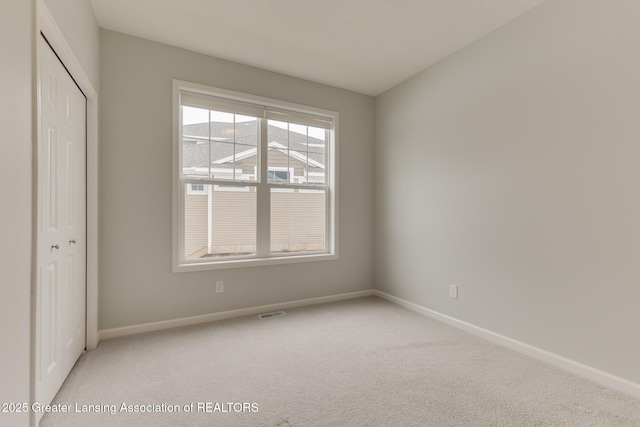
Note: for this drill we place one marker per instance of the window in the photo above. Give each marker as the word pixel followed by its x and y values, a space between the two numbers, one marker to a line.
pixel 267 169
pixel 196 189
pixel 279 175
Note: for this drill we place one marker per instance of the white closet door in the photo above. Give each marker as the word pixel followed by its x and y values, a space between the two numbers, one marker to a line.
pixel 61 291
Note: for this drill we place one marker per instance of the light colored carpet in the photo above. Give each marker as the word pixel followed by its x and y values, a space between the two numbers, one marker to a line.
pixel 363 362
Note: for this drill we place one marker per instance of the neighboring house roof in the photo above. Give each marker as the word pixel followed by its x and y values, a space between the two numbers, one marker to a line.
pixel 198 153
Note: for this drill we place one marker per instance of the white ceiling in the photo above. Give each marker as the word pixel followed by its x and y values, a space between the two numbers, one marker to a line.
pixel 367 46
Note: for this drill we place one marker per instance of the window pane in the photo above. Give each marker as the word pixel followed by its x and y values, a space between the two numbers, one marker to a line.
pixel 277 131
pixel 222 126
pixel 195 159
pixel 317 139
pixel 297 220
pixel 316 142
pixel 297 137
pixel 220 224
pixel 278 170
pixel 246 130
pixel 298 133
pixel 193 115
pixel 299 149
pixel 279 176
pixel 195 142
pixel 245 161
pixel 315 175
pixel 222 160
pixel 233 146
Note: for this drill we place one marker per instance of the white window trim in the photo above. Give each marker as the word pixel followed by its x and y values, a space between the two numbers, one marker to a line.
pixel 178 263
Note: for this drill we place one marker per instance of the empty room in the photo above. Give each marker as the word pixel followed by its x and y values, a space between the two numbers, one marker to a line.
pixel 320 213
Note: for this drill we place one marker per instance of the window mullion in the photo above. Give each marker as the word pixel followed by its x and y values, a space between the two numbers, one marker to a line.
pixel 264 196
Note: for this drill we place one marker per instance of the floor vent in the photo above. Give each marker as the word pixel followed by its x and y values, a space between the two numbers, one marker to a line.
pixel 274 314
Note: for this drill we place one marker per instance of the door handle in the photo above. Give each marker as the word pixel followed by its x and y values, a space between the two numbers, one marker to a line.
pixel 56 246
pixel 72 242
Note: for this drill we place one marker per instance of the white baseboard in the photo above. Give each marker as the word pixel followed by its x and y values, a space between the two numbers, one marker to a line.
pixel 106 334
pixel 595 375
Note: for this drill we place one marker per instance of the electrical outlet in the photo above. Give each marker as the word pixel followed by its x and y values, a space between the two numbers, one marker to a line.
pixel 453 291
pixel 219 286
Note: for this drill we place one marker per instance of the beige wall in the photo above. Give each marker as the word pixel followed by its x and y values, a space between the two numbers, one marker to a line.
pixel 136 282
pixel 511 169
pixel 78 24
pixel 16 31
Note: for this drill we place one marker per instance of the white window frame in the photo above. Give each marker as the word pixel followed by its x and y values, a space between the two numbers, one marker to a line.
pixel 263 257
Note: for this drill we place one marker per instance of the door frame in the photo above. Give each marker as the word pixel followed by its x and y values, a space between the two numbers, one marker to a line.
pixel 46 25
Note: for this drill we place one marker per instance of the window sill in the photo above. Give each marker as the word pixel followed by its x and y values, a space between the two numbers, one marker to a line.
pixel 253 262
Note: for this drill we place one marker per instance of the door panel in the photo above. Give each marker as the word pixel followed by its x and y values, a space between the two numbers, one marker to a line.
pixel 75 223
pixel 61 289
pixel 52 168
pixel 49 301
